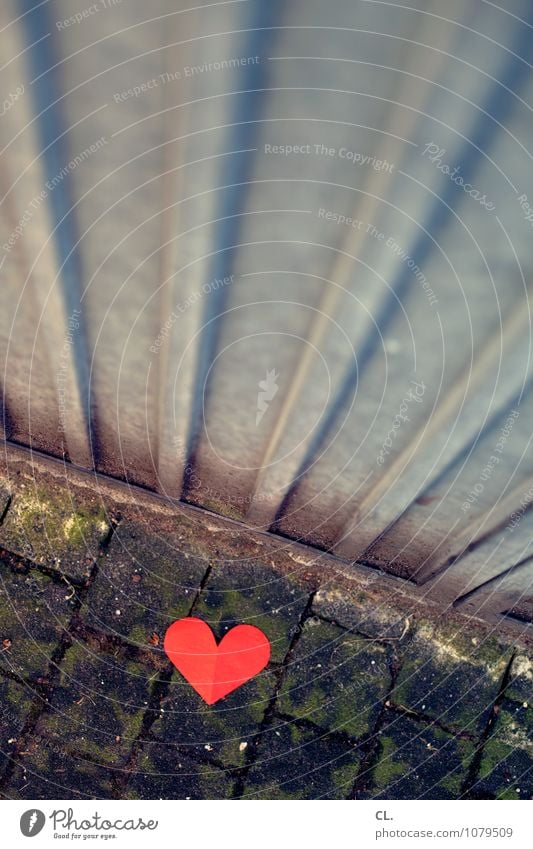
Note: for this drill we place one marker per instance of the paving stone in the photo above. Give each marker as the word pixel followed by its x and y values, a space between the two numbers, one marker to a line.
pixel 34 613
pixel 252 593
pixel 301 763
pixel 163 772
pixel 145 582
pixel 361 614
pixel 16 702
pixel 513 725
pixel 434 664
pixel 336 679
pixel 222 731
pixel 418 761
pixel 55 527
pixel 48 775
pixel 505 773
pixel 96 709
pixel 520 685
pixel 506 768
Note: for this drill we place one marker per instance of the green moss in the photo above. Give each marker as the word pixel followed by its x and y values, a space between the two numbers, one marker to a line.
pixel 275 791
pixel 514 728
pixel 402 690
pixel 213 783
pixel 130 722
pixel 131 794
pixel 387 768
pixel 342 779
pixel 453 780
pixel 33 615
pixel 71 657
pixel 80 525
pixel 85 747
pixel 493 755
pixel 336 680
pixel 509 793
pixel 312 707
pixel 97 709
pixel 262 598
pixel 228 602
pixel 15 704
pixel 137 634
pixel 46 526
pixel 52 725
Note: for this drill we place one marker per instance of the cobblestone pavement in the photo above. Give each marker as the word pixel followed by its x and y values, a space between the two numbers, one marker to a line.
pixel 370 691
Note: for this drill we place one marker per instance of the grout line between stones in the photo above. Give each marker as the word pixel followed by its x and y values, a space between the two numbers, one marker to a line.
pixel 24 565
pixel 370 747
pixel 427 719
pixel 270 710
pixel 473 771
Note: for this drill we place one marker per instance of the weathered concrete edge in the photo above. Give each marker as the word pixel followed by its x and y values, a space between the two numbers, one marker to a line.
pixel 319 568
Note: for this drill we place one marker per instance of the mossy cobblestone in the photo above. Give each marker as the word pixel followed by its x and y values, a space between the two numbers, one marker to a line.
pixel 42 773
pixel 418 761
pixel 16 702
pixel 34 614
pixel 336 679
pixel 54 528
pixel 88 726
pixel 358 699
pixel 163 771
pixel 294 762
pixel 98 703
pixel 146 581
pixel 251 592
pixel 223 731
pixel 361 615
pixel 506 767
pixel 435 661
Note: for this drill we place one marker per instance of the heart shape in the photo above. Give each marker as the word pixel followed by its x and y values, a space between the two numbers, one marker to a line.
pixel 215 670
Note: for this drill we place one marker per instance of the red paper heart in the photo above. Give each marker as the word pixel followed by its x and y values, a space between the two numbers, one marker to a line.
pixel 215 670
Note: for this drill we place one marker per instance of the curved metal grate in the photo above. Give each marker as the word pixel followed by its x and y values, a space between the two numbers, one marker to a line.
pixel 274 259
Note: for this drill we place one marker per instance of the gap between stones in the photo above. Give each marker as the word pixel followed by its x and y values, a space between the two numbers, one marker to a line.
pixel 270 709
pixel 58 654
pixel 473 771
pixel 370 747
